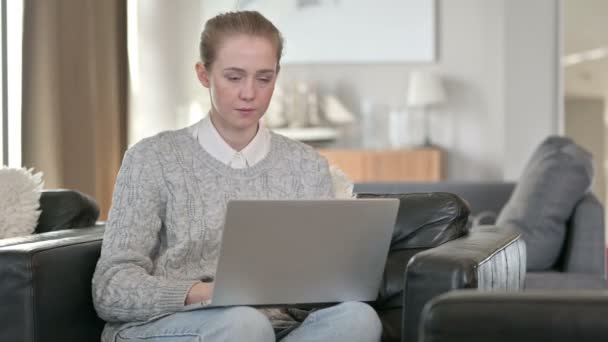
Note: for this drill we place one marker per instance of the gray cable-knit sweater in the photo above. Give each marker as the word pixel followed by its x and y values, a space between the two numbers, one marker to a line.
pixel 165 226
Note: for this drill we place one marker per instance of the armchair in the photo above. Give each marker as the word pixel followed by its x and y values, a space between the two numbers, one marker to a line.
pixel 47 294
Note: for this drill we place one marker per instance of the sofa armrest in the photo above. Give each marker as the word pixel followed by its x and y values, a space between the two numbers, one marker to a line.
pixel 470 316
pixel 487 258
pixel 51 235
pixel 45 292
pixel 585 247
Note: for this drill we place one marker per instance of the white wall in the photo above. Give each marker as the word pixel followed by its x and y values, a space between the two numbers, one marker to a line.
pixel 498 59
pixel 163 82
pixel 532 89
pixel 584 123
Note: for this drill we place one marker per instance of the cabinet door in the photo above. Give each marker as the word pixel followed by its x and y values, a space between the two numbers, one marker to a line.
pixel 351 162
pixel 388 165
pixel 404 165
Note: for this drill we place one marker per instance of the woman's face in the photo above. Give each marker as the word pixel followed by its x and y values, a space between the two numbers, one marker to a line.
pixel 240 81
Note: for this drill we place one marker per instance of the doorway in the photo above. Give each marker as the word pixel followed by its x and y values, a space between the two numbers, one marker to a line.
pixel 585 72
pixel 585 81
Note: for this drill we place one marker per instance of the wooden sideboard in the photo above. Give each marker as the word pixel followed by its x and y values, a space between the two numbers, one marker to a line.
pixel 418 164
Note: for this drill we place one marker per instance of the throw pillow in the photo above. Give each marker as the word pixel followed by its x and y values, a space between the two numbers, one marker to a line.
pixel 557 176
pixel 19 201
pixel 66 209
pixel 343 187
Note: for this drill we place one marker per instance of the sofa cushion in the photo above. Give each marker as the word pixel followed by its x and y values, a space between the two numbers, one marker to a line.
pixel 66 209
pixel 343 187
pixel 557 176
pixel 564 281
pixel 426 220
pixel 19 201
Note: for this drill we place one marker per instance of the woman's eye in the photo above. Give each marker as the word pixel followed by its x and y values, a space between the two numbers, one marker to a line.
pixel 233 78
pixel 264 80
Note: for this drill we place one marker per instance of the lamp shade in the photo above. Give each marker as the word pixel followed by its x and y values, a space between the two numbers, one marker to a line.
pixel 424 89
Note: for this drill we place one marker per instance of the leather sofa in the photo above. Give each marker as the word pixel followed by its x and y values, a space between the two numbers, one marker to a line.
pixel 582 262
pixel 45 293
pixel 38 272
pixel 531 316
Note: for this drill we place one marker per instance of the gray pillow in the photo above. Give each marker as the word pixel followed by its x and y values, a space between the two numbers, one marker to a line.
pixel 557 176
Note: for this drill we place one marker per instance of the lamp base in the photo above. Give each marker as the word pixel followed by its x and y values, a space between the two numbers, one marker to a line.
pixel 427 128
pixel 427 142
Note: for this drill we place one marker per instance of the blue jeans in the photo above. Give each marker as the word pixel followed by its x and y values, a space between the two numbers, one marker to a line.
pixel 351 321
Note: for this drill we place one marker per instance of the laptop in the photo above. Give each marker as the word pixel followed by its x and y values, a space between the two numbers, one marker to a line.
pixel 284 252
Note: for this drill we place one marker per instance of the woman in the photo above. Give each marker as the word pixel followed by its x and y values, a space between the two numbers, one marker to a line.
pixel 160 249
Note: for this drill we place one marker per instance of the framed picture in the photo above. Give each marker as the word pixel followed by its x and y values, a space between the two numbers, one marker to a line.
pixel 346 31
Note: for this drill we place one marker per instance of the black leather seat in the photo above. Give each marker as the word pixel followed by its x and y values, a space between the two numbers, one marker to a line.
pixel 531 316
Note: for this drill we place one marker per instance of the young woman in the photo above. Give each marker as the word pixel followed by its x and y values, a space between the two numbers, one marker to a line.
pixel 160 249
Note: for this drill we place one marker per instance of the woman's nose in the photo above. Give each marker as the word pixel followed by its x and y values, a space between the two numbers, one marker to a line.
pixel 248 90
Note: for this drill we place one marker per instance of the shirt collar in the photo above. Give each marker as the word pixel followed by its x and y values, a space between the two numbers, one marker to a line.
pixel 211 140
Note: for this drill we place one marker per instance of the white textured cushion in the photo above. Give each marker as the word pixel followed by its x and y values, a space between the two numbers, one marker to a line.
pixel 343 187
pixel 19 201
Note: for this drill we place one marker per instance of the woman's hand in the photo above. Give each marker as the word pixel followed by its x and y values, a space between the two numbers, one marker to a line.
pixel 199 293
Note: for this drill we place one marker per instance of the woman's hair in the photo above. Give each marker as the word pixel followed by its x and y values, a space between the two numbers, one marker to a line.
pixel 225 25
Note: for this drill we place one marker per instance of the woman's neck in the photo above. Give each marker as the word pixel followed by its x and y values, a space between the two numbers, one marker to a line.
pixel 237 139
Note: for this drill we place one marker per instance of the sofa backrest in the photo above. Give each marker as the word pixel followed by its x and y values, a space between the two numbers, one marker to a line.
pixel 482 197
pixel 585 246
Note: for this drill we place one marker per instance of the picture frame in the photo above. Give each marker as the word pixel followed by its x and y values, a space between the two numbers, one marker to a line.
pixel 346 31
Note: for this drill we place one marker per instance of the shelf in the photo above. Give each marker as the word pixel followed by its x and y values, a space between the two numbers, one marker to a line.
pixel 306 134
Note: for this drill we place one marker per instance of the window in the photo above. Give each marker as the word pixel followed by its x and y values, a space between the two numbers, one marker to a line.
pixel 11 24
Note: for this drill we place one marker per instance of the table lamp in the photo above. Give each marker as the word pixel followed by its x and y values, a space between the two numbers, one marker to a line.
pixel 424 91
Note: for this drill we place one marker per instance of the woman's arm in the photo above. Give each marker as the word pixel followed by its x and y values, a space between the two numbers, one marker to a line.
pixel 123 288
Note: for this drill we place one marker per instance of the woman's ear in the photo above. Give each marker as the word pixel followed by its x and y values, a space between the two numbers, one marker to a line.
pixel 202 74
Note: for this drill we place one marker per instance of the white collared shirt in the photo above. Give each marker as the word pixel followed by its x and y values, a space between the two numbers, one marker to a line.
pixel 211 140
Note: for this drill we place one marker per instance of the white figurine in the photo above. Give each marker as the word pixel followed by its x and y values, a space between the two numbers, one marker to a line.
pixel 297 106
pixel 275 114
pixel 335 112
pixel 313 115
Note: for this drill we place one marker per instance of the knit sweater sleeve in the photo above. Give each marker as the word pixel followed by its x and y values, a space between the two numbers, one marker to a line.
pixel 123 288
pixel 325 186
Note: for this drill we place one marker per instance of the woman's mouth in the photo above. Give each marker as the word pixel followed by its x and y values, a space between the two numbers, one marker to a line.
pixel 246 111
